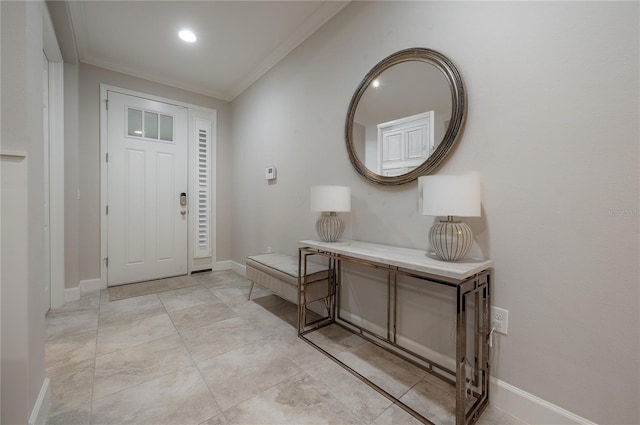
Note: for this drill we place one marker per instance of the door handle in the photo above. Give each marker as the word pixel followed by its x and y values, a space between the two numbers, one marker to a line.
pixel 183 212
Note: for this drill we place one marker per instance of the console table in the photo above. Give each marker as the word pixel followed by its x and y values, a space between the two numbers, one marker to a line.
pixel 470 278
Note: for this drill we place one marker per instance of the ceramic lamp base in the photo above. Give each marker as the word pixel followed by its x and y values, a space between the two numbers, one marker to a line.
pixel 329 227
pixel 450 239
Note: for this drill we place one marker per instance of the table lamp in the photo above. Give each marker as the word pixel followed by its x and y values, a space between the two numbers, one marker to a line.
pixel 449 196
pixel 329 200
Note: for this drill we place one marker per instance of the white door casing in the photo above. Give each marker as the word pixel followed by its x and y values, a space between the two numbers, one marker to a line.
pixel 47 194
pixel 147 173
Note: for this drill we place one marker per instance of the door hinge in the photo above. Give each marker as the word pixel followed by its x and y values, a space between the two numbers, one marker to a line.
pixel 106 102
pixel 106 262
pixel 107 209
pixel 107 156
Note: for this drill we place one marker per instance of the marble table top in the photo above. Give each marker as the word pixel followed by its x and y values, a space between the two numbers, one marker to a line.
pixel 406 258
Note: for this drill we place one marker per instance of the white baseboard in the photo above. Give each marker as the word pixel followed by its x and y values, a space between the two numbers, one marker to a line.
pixel 230 265
pixel 222 265
pixel 43 404
pixel 241 269
pixel 512 400
pixel 91 285
pixel 529 408
pixel 71 294
pixel 84 287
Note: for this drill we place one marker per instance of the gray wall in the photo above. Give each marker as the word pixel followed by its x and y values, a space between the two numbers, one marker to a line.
pixel 88 164
pixel 553 130
pixel 23 333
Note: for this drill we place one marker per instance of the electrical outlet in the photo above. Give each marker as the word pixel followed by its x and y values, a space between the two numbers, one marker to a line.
pixel 500 320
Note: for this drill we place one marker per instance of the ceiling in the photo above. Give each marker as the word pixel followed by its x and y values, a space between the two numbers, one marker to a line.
pixel 238 41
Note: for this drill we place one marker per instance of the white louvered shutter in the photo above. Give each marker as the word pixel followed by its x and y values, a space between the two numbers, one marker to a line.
pixel 203 189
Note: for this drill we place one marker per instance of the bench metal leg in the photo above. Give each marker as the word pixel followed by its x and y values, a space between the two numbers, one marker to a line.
pixel 250 290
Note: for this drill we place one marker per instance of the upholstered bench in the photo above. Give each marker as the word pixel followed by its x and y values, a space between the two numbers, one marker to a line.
pixel 279 274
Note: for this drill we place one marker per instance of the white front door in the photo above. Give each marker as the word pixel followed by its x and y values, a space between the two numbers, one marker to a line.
pixel 147 189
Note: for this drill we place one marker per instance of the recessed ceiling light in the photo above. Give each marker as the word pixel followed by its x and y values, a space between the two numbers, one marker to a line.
pixel 187 36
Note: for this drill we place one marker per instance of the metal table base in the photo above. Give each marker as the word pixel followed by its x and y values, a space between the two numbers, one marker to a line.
pixel 472 382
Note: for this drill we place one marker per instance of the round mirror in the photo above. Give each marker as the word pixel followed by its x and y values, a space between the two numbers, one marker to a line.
pixel 405 117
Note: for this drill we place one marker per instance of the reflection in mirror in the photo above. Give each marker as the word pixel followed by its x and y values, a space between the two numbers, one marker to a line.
pixel 405 117
pixel 401 118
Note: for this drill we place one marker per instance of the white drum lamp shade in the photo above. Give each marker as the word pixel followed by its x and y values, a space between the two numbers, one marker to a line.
pixel 330 199
pixel 449 196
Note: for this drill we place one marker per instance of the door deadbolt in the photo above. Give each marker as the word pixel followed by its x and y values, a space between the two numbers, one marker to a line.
pixel 183 199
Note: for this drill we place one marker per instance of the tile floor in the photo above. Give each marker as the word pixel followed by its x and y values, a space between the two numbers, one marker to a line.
pixel 203 354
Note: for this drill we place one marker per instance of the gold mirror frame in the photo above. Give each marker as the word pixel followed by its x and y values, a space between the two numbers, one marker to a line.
pixel 451 136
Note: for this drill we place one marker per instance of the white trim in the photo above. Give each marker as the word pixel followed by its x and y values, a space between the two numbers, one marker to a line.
pixel 191 110
pixel 211 115
pixel 222 265
pixel 104 229
pixel 56 160
pixel 512 400
pixel 241 269
pixel 49 39
pixel 91 285
pixel 320 16
pixel 71 294
pixel 56 182
pixel 529 408
pixel 43 404
pixel 230 265
pixel 84 287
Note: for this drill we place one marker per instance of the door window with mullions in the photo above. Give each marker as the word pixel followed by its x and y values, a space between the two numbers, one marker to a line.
pixel 149 125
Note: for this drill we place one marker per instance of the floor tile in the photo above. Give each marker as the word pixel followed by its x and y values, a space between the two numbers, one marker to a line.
pixel 217 420
pixel 125 368
pixel 267 301
pixel 395 415
pixel 242 306
pixel 242 373
pixel 179 398
pixel 382 368
pixel 70 349
pixel 359 398
pixel 437 382
pixel 236 290
pixel 220 337
pixel 71 386
pixel 150 287
pixel 71 416
pixel 127 310
pixel 65 323
pixel 299 351
pixel 119 337
pixel 431 402
pixel 182 298
pixel 88 301
pixel 247 354
pixel 201 315
pixel 218 278
pixel 286 311
pixel 494 416
pixel 298 400
pixel 334 339
pixel 271 323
